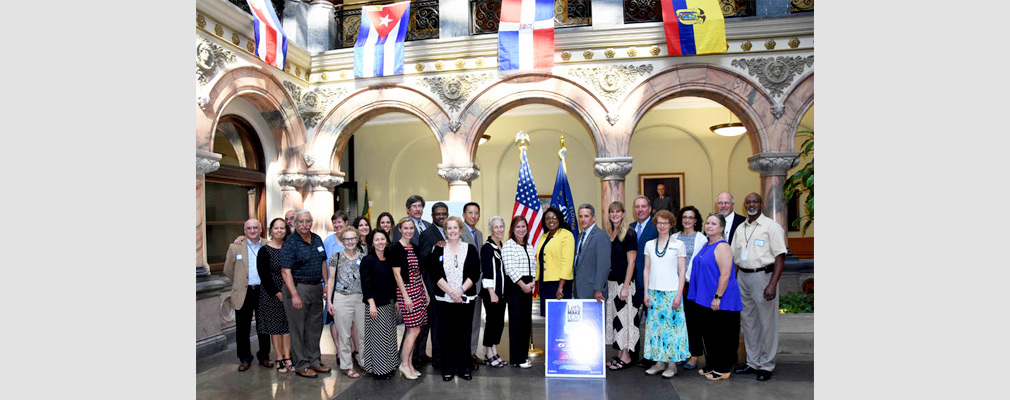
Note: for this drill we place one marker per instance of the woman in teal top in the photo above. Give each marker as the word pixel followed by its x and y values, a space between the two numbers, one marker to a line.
pixel 714 289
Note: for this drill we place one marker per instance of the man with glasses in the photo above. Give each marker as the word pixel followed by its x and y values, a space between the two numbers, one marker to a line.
pixel 429 239
pixel 240 267
pixel 759 252
pixel 415 209
pixel 471 235
pixel 724 205
pixel 303 266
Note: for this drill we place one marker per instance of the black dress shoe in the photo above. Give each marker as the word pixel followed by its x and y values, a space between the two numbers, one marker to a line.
pixel 746 369
pixel 447 378
pixel 466 376
pixel 764 375
pixel 424 359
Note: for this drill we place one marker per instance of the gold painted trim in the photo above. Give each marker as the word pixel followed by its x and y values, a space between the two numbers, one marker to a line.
pixel 254 55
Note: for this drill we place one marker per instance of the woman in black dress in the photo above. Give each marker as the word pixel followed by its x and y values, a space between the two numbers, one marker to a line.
pixel 270 318
pixel 455 269
pixel 378 290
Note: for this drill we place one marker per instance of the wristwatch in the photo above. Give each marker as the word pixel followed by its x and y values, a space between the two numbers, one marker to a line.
pixel 716 296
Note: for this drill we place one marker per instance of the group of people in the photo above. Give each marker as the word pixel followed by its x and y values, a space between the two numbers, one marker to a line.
pixel 690 283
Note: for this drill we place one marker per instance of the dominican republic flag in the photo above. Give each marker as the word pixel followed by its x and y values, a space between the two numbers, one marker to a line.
pixel 271 44
pixel 562 197
pixel 379 49
pixel 526 34
pixel 693 27
pixel 527 201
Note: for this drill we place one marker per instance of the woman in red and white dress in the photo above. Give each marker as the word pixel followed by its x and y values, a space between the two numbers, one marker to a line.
pixel 411 295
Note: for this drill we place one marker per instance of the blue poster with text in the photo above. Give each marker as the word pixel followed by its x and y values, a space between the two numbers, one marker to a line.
pixel 574 345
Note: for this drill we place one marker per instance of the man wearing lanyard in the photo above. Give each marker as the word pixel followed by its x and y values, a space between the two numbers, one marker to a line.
pixel 759 249
pixel 303 266
pixel 240 267
pixel 471 235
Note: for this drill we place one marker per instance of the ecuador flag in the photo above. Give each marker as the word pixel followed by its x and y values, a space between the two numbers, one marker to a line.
pixel 693 27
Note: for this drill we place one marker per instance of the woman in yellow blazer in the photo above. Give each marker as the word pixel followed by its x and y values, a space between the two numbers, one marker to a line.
pixel 556 255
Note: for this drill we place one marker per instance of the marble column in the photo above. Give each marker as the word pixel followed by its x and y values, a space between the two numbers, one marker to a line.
pixel 322 27
pixel 773 167
pixel 206 162
pixel 612 171
pixel 289 182
pixel 320 200
pixel 459 178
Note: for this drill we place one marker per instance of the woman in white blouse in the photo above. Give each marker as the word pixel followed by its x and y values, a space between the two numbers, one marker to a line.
pixel 665 268
pixel 521 268
pixel 455 268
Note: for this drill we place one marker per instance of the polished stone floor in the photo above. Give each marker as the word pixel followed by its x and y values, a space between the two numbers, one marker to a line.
pixel 217 378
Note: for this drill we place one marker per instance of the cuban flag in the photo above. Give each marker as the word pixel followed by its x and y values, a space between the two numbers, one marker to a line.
pixel 271 44
pixel 527 201
pixel 379 49
pixel 526 34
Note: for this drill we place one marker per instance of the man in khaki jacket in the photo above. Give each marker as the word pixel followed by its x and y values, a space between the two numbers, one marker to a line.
pixel 240 266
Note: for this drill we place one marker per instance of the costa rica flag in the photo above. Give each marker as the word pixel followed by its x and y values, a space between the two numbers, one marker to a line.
pixel 526 34
pixel 271 44
pixel 379 49
pixel 693 27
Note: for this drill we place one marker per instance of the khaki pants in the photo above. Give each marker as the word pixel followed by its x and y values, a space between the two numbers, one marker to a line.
pixel 759 320
pixel 348 310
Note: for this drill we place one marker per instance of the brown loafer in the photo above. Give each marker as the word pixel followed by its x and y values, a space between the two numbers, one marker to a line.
pixel 320 368
pixel 243 366
pixel 306 373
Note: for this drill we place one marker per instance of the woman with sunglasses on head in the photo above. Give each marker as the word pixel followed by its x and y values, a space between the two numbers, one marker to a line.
pixel 411 294
pixel 344 298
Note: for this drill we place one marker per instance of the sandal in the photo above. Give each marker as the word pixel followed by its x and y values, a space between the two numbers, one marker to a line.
pixel 497 362
pixel 351 373
pixel 289 365
pixel 715 376
pixel 618 364
pixel 280 365
pixel 687 364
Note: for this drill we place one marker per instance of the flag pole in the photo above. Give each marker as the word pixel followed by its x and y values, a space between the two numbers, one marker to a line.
pixel 522 142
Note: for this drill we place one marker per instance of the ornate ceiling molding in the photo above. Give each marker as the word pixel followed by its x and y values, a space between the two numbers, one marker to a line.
pixel 773 163
pixel 294 180
pixel 313 104
pixel 210 58
pixel 207 162
pixel 612 81
pixel 324 180
pixel 453 91
pixel 459 174
pixel 612 168
pixel 775 74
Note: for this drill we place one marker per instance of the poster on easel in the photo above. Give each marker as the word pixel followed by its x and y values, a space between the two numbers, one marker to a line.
pixel 574 345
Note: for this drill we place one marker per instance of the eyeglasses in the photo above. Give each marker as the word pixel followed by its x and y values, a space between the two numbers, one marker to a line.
pixel 349 239
pixel 658 223
pixel 551 218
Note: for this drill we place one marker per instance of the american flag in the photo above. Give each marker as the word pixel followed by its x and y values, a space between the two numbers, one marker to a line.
pixel 527 202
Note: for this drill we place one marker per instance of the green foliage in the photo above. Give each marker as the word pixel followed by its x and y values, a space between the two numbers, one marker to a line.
pixel 803 180
pixel 796 303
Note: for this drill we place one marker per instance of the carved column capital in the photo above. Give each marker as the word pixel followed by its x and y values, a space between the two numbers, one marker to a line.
pixel 612 168
pixel 773 163
pixel 458 174
pixel 324 180
pixel 292 179
pixel 207 162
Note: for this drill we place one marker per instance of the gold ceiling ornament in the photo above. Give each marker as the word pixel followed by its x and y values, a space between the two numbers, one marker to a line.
pixel 218 30
pixel 566 55
pixel 439 65
pixel 308 74
pixel 654 50
pixel 298 71
pixel 250 46
pixel 746 46
pixel 794 43
pixel 287 67
pixel 632 52
pixel 419 67
pixel 323 76
pixel 479 62
pixel 610 53
pixel 201 21
pixel 612 81
pixel 770 44
pixel 588 54
pixel 234 38
pixel 343 74
pixel 460 63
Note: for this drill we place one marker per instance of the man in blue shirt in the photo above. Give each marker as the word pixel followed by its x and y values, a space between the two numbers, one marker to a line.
pixel 303 266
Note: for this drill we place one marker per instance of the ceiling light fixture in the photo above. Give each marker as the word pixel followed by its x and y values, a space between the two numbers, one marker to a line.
pixel 729 129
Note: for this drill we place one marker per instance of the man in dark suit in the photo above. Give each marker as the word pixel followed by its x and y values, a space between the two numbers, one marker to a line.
pixel 471 235
pixel 724 205
pixel 435 236
pixel 592 258
pixel 646 231
pixel 240 267
pixel 415 208
pixel 662 201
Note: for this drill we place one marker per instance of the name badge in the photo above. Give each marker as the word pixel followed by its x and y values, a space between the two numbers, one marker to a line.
pixel 320 248
pixel 238 256
pixel 759 242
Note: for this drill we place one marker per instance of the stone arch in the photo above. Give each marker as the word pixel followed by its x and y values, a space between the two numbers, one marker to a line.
pixel 797 102
pixel 734 91
pixel 335 130
pixel 530 88
pixel 261 89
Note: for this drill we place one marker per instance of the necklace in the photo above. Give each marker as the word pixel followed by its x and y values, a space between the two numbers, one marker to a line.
pixel 660 254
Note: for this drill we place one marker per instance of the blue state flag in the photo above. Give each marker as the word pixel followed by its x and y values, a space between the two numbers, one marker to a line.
pixel 562 196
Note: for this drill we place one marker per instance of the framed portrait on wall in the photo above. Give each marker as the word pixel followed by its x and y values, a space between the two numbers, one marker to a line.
pixel 673 187
pixel 545 201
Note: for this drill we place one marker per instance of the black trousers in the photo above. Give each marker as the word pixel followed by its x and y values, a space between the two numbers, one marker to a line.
pixel 243 322
pixel 520 308
pixel 694 342
pixel 454 332
pixel 495 319
pixel 548 291
pixel 720 332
